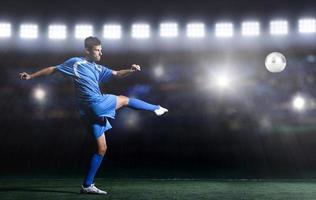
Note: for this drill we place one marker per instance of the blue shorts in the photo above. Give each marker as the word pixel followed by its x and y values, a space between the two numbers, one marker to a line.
pixel 95 115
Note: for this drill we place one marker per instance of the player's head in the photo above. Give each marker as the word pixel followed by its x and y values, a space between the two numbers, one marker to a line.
pixel 93 49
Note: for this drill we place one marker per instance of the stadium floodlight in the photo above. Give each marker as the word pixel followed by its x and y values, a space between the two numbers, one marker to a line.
pixel 298 103
pixel 29 31
pixel 83 30
pixel 112 31
pixel 250 28
pixel 5 30
pixel 279 27
pixel 169 30
pixel 56 31
pixel 140 31
pixel 195 30
pixel 307 25
pixel 224 29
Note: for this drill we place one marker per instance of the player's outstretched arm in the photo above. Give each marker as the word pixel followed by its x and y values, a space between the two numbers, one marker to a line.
pixel 43 72
pixel 126 72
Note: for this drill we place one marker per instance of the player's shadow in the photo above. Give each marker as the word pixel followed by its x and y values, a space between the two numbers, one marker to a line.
pixel 20 189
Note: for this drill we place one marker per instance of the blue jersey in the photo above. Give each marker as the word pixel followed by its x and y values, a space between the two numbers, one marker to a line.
pixel 94 107
pixel 87 76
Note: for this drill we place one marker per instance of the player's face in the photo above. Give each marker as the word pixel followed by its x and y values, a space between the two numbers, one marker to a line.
pixel 95 53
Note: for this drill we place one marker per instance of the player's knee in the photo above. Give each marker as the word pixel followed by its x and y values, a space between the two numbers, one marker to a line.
pixel 123 100
pixel 102 150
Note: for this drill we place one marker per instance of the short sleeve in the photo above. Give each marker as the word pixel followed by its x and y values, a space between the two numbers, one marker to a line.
pixel 105 74
pixel 68 67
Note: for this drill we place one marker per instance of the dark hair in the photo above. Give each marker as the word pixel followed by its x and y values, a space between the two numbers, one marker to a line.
pixel 90 42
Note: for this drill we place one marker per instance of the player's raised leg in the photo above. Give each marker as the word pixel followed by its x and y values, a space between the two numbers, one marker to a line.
pixel 139 105
pixel 88 185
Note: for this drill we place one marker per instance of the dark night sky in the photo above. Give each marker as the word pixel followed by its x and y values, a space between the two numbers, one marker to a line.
pixel 155 9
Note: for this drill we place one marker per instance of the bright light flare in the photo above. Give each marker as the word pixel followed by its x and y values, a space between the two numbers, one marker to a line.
pixel 39 94
pixel 223 80
pixel 298 103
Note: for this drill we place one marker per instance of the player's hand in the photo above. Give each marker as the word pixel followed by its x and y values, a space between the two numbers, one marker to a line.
pixel 25 76
pixel 135 67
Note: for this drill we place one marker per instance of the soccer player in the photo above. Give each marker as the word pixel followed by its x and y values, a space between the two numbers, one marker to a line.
pixel 95 107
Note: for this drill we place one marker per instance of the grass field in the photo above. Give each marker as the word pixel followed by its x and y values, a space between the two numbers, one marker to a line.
pixel 129 189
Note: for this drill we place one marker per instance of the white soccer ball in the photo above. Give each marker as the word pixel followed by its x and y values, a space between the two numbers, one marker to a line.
pixel 275 62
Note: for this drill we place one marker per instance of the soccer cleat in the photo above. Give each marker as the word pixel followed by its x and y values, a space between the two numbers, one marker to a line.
pixel 91 190
pixel 160 111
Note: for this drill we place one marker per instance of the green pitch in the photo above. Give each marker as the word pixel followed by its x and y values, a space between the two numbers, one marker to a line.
pixel 163 189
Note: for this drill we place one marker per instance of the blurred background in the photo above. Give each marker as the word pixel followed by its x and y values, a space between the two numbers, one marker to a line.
pixel 204 61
